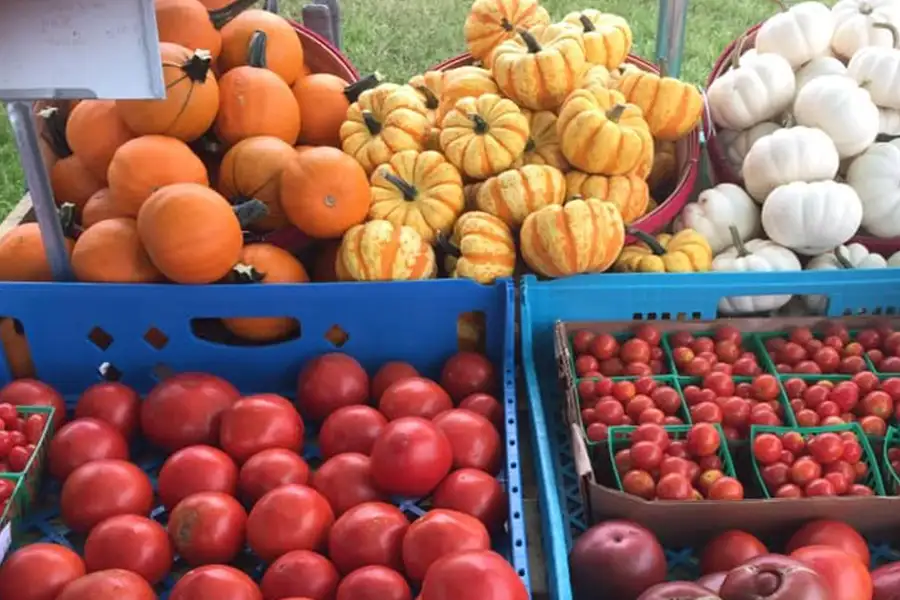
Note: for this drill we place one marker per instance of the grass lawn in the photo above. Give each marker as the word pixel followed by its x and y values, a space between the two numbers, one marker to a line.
pixel 399 38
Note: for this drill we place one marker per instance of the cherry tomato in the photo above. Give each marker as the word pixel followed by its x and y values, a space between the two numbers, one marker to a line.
pixel 368 534
pixel 208 528
pixel 29 392
pixel 728 550
pixel 388 374
pixel 466 373
pixel 256 423
pixel 330 382
pixel 113 584
pixel 215 582
pixel 195 469
pixel 475 493
pixel 34 428
pixel 129 542
pixel 485 405
pixel 703 439
pixel 836 534
pixel 411 457
pixel 7 487
pixel 269 469
pixel 113 402
pixel 8 415
pixel 374 583
pixel 847 577
pixel 82 441
pixel 346 481
pixel 414 397
pixel 439 533
pixel 291 517
pixel 350 429
pixel 18 459
pixel 6 443
pixel 476 575
pixel 102 489
pixel 39 572
pixel 475 442
pixel 300 574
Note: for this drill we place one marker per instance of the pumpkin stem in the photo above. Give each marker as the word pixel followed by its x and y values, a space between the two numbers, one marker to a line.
pixel 586 23
pixel 448 247
pixel 651 242
pixel 221 16
pixel 895 35
pixel 66 215
pixel 352 91
pixel 243 273
pixel 249 211
pixel 530 145
pixel 841 256
pixel 54 131
pixel 197 66
pixel 506 25
pixel 737 242
pixel 615 113
pixel 530 42
pixel 409 191
pixel 256 52
pixel 431 101
pixel 372 124
pixel 481 126
pixel 866 9
pixel 737 52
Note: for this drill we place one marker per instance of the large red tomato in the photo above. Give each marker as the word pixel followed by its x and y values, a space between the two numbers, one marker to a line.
pixel 329 382
pixel 113 584
pixel 368 534
pixel 478 575
pixel 374 583
pixel 437 534
pixel 82 441
pixel 196 469
pixel 466 373
pixel 215 582
pixel 847 577
pixel 411 457
pixel 485 405
pixel 292 517
pixel 39 572
pixel 129 542
pixel 30 392
pixel 830 533
pixel 269 469
pixel 185 410
pixel 257 423
pixel 208 528
pixel 346 481
pixel 475 493
pixel 350 429
pixel 730 549
pixel 414 397
pixel 300 574
pixel 475 442
pixel 102 489
pixel 113 402
pixel 388 374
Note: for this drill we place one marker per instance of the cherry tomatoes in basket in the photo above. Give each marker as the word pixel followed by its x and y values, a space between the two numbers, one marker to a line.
pixel 29 392
pixel 82 441
pixel 300 574
pixel 102 489
pixel 208 528
pixel 129 542
pixel 39 572
pixel 195 469
pixel 114 403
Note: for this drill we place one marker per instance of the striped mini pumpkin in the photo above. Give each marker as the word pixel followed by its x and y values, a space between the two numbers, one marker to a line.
pixel 629 193
pixel 513 195
pixel 381 251
pixel 482 248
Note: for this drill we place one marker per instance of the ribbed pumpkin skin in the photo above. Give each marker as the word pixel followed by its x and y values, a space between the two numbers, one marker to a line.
pixel 111 252
pixel 607 41
pixel 94 131
pixel 672 108
pixel 543 142
pixel 491 22
pixel 462 83
pixel 72 182
pixel 379 251
pixel 99 207
pixel 513 195
pixel 323 106
pixel 583 236
pixel 256 102
pixel 487 248
pixel 22 254
pixel 629 193
pixel 429 85
pixel 684 252
pixel 284 52
pixel 187 22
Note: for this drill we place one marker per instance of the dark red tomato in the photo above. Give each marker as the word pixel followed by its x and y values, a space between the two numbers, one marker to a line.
pixel 475 493
pixel 215 582
pixel 847 577
pixel 292 517
pixel 129 542
pixel 29 392
pixel 269 469
pixel 330 382
pixel 346 481
pixel 208 528
pixel 374 583
pixel 466 373
pixel 479 575
pixel 437 534
pixel 830 533
pixel 300 574
pixel 730 549
pixel 368 534
pixel 113 584
pixel 475 442
pixel 350 429
pixel 414 397
pixel 388 374
pixel 39 572
pixel 82 441
pixel 113 402
pixel 185 410
pixel 196 469
pixel 254 424
pixel 485 405
pixel 34 428
pixel 411 457
pixel 102 489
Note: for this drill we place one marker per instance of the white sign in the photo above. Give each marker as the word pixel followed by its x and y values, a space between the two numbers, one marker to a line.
pixel 79 49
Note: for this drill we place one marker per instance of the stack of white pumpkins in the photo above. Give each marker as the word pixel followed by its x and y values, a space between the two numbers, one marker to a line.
pixel 798 117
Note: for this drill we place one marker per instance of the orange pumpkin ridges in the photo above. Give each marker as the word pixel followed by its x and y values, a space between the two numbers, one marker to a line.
pixel 221 16
pixel 352 91
pixel 54 131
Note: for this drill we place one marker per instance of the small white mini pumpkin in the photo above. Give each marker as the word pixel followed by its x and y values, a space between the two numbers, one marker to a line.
pixel 736 144
pixel 840 108
pixel 799 34
pixel 716 211
pixel 851 256
pixel 894 261
pixel 756 89
pixel 855 25
pixel 811 218
pixel 889 121
pixel 788 155
pixel 819 67
pixel 875 175
pixel 877 70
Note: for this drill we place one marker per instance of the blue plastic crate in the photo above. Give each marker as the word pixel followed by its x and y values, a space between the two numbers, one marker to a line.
pixel 647 296
pixel 75 331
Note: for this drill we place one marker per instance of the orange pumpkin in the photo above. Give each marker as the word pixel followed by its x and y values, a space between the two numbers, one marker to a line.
pixel 252 169
pixel 145 164
pixel 72 182
pixel 191 102
pixel 94 131
pixel 323 99
pixel 99 207
pixel 265 263
pixel 283 54
pixel 302 148
pixel 629 193
pixel 112 252
pixel 491 22
pixel 381 251
pixel 190 232
pixel 187 22
pixel 22 253
pixel 15 346
pixel 324 192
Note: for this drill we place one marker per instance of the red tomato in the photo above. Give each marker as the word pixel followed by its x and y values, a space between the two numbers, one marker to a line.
pixel 414 397
pixel 39 572
pixel 185 410
pixel 195 469
pixel 215 582
pixel 292 517
pixel 411 457
pixel 29 392
pixel 18 458
pixel 478 575
pixel 113 584
pixel 129 542
pixel 475 442
pixel 847 577
pixel 113 402
pixel 487 406
pixel 388 374
pixel 34 428
pixel 466 373
pixel 82 441
pixel 475 493
pixel 102 489
pixel 730 549
pixel 830 533
pixel 346 481
pixel 350 429
pixel 269 469
pixel 257 423
pixel 301 574
pixel 440 533
pixel 374 583
pixel 330 382
pixel 208 528
pixel 368 534
pixel 8 415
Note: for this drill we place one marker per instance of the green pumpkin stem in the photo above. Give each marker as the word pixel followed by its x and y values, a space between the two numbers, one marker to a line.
pixel 481 126
pixel 54 131
pixel 651 242
pixel 530 145
pixel 586 23
pixel 249 210
pixel 737 52
pixel 222 16
pixel 197 66
pixel 352 91
pixel 842 259
pixel 615 113
pixel 895 35
pixel 737 242
pixel 409 191
pixel 372 124
pixel 256 52
pixel 243 273
pixel 446 246
pixel 530 42
pixel 66 215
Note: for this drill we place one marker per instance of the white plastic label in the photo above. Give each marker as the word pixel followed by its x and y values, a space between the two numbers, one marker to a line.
pixel 5 540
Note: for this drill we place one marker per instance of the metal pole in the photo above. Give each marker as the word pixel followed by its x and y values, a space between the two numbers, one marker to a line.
pixel 671 28
pixel 335 7
pixel 318 18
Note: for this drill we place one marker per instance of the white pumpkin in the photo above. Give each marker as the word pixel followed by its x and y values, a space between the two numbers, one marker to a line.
pixel 877 70
pixel 889 121
pixel 894 260
pixel 851 256
pixel 736 144
pixel 716 211
pixel 811 218
pixel 759 88
pixel 787 155
pixel 799 34
pixel 840 108
pixel 855 25
pixel 875 175
pixel 756 256
pixel 819 67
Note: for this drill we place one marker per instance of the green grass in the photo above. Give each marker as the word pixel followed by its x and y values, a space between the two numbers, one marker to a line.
pixel 399 38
